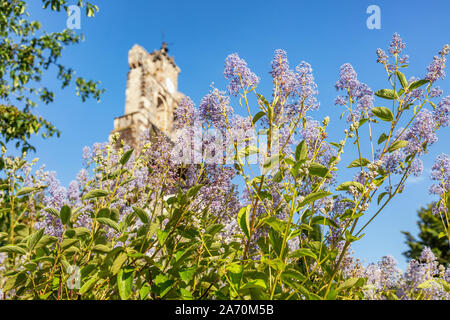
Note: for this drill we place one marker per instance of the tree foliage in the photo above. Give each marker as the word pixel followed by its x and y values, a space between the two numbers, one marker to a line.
pixel 27 54
pixel 430 227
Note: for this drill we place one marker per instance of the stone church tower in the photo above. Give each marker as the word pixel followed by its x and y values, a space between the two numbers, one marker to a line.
pixel 151 95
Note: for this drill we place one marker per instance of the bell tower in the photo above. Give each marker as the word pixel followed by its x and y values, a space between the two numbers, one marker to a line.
pixel 151 95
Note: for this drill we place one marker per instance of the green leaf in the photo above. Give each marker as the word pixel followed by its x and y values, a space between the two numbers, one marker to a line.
pixel 417 84
pixel 402 79
pixel 67 243
pixel 97 193
pixel 65 214
pixel 115 214
pixel 397 145
pixel 254 284
pixel 276 240
pixel 323 221
pixel 313 197
pixel 31 266
pixel 109 223
pixel 383 137
pixel 88 285
pixel 101 248
pixel 141 214
pixel 381 196
pixel 15 281
pixel 348 284
pixel 187 274
pixel 276 224
pixel 194 190
pixel 362 121
pixel 82 231
pixel 13 249
pixel 386 94
pixel 22 230
pixel 293 274
pixel 162 236
pixel 383 113
pixel 303 252
pixel 46 240
pixel 346 186
pixel 427 284
pixel 104 213
pixel 24 191
pixel 34 239
pixel 243 219
pixel 258 116
pixel 357 163
pixel 316 169
pixel 301 151
pixel 247 150
pixel 264 100
pixel 441 234
pixel 351 238
pixel 270 162
pixel 125 282
pixel 276 264
pixel 126 156
pixel 213 229
pixel 118 262
pixel 236 268
pixel 144 291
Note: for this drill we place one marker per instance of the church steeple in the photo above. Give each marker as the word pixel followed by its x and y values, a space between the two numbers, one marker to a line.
pixel 151 95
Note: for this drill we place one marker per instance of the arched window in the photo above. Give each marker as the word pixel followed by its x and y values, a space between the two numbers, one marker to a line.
pixel 160 104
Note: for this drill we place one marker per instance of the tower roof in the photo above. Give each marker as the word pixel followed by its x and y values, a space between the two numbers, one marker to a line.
pixel 137 55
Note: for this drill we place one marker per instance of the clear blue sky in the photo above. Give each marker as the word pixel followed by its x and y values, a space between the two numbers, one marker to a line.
pixel 327 34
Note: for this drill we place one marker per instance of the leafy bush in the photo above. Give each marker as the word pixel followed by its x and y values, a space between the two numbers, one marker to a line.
pixel 168 221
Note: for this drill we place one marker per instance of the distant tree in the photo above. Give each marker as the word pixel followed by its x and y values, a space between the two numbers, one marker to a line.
pixel 430 227
pixel 27 54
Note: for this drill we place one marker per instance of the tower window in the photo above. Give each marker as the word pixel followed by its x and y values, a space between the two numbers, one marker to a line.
pixel 160 103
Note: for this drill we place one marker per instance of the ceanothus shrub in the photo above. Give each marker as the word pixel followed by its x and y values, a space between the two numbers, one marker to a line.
pixel 233 206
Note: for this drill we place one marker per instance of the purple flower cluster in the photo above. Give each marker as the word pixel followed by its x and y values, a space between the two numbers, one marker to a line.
pixel 55 197
pixel 436 69
pixel 307 88
pixel 384 275
pixel 416 94
pixel 435 92
pixel 421 132
pixel 280 65
pixel 392 160
pixel 442 112
pixel 239 74
pixel 382 57
pixel 185 114
pixel 314 137
pixel 241 131
pixel 437 66
pixel 426 270
pixel 422 278
pixel 215 109
pixel 441 172
pixel 355 91
pixel 297 88
pixel 397 45
pixel 416 167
